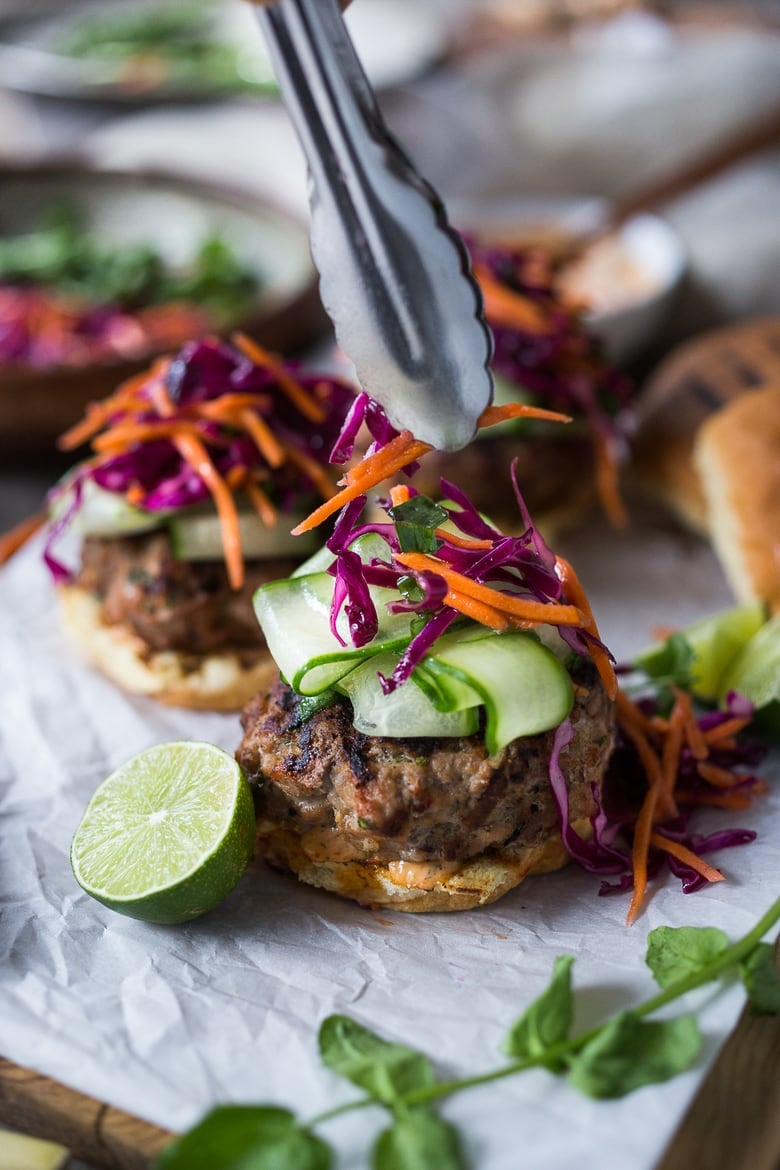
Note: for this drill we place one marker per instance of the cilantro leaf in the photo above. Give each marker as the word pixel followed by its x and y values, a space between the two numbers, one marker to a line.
pixel 419 1141
pixel 548 1019
pixel 385 1070
pixel 628 1053
pixel 673 952
pixel 415 523
pixel 245 1137
pixel 762 981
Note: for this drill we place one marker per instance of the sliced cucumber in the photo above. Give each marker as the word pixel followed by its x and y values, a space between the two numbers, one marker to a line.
pixel 524 687
pixel 368 546
pixel 522 683
pixel 445 690
pixel 197 536
pixel 104 513
pixel 405 712
pixel 550 637
pixel 319 562
pixel 295 619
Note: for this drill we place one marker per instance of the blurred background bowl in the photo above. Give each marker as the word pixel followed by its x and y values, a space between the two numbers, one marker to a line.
pixel 141 51
pixel 628 277
pixel 174 216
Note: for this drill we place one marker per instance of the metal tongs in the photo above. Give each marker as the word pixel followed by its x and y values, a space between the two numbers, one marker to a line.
pixel 394 277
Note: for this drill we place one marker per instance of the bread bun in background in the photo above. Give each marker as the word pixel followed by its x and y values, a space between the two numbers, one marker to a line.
pixel 694 382
pixel 737 458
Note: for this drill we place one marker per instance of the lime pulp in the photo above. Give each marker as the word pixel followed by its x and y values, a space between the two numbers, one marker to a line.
pixel 168 835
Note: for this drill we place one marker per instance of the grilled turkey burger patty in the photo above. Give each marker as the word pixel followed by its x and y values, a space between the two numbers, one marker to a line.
pixel 173 604
pixel 169 628
pixel 415 824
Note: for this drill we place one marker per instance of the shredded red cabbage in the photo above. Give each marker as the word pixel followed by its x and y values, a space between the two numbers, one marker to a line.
pixel 160 478
pixel 42 328
pixel 522 565
pixel 563 368
pixel 618 804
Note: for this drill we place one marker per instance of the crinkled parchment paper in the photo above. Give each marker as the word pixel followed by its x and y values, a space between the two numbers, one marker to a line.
pixel 166 1021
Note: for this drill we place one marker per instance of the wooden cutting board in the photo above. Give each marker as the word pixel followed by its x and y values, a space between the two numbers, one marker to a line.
pixel 733 1122
pixel 90 1129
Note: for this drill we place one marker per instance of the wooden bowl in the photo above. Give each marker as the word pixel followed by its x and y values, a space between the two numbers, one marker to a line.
pixel 174 215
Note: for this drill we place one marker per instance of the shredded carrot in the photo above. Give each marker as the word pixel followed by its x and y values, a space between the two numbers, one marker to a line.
pixel 729 727
pixel 574 592
pixel 372 471
pixel 648 758
pixel 158 389
pixel 462 541
pixel 403 449
pixel 525 608
pixel 661 765
pixel 717 777
pixel 228 404
pixel 486 615
pixel 693 733
pixel 631 714
pixel 135 494
pixel 262 504
pixel 235 477
pixel 607 486
pixel 99 413
pixel 505 307
pixel 306 404
pixel 312 468
pixel 686 856
pixel 265 440
pixel 732 800
pixel 125 434
pixel 194 452
pixel 492 415
pixel 640 849
pixel 399 494
pixel 670 763
pixel 18 536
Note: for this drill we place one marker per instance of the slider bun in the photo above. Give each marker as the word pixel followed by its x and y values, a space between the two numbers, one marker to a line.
pixel 213 682
pixel 697 380
pixel 476 882
pixel 737 457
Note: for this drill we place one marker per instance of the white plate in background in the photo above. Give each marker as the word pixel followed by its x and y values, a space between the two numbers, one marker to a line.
pixel 395 39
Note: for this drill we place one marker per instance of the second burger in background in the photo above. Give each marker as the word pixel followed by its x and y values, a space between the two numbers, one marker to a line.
pixel 198 469
pixel 546 354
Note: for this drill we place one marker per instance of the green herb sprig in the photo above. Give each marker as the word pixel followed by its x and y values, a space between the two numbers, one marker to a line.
pixel 624 1053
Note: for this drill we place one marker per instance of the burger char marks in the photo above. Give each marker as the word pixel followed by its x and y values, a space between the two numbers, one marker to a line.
pixel 415 799
pixel 173 604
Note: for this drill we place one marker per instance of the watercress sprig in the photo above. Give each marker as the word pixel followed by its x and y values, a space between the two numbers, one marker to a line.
pixel 610 1060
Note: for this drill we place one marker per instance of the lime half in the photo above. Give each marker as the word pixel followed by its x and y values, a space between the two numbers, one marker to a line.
pixel 715 641
pixel 168 835
pixel 755 672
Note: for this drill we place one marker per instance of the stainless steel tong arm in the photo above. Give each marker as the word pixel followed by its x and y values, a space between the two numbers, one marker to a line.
pixel 394 277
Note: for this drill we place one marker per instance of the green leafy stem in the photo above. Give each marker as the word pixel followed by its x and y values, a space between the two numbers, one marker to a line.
pixel 607 1061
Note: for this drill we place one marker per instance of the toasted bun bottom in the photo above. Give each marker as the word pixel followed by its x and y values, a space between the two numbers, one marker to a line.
pixel 212 682
pixel 419 889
